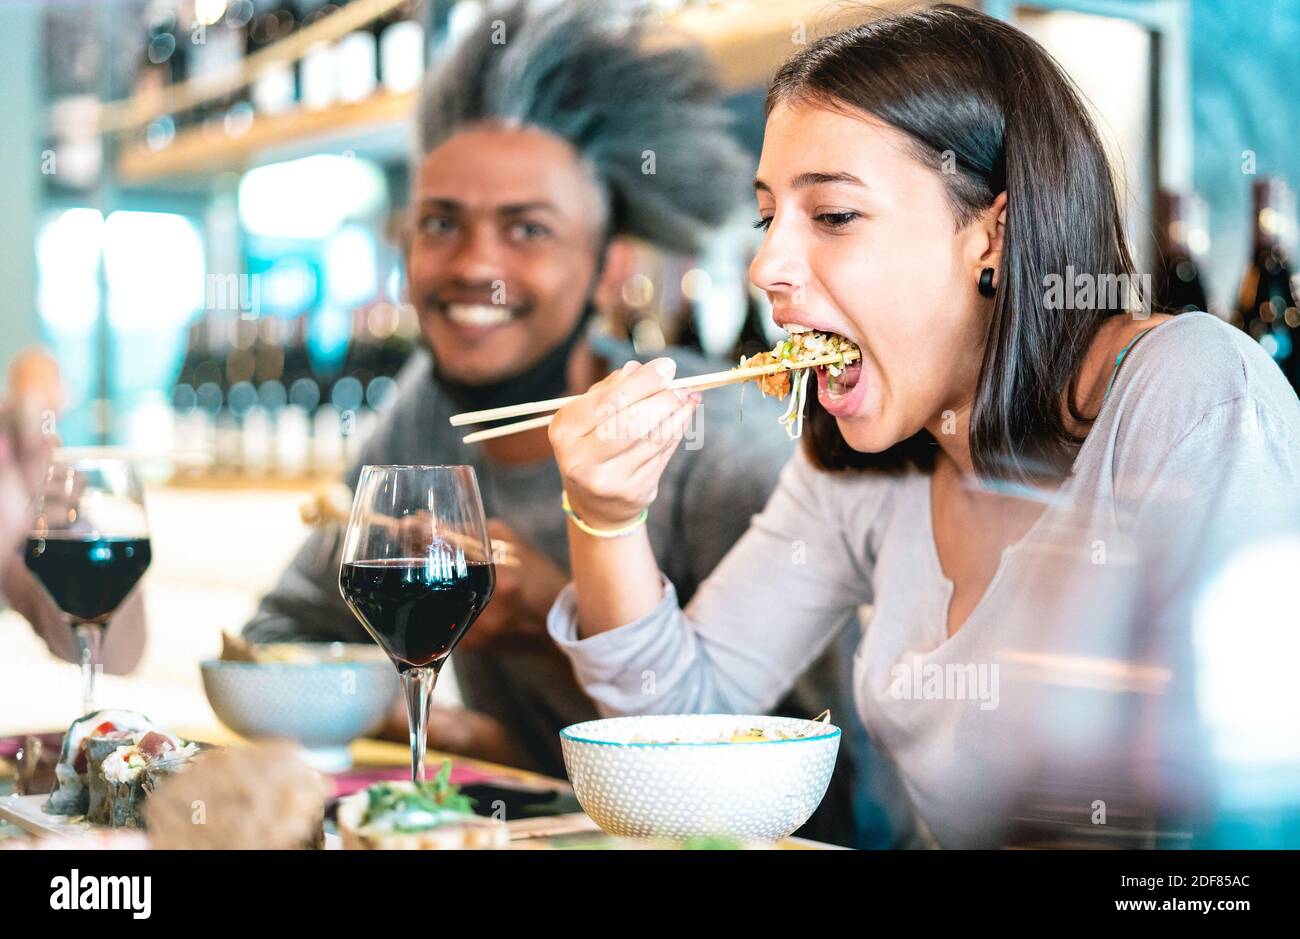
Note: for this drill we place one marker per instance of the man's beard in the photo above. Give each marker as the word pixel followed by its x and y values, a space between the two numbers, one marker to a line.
pixel 546 378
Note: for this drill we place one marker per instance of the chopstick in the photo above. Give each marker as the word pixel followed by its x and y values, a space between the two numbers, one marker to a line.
pixel 508 429
pixel 695 383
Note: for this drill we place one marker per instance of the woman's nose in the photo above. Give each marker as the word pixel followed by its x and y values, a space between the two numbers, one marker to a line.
pixel 780 268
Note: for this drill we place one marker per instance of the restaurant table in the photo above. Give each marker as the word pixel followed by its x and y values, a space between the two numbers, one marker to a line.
pixel 549 822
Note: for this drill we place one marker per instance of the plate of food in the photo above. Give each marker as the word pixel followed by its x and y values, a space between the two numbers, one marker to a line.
pixel 109 762
pixel 426 815
pixel 120 772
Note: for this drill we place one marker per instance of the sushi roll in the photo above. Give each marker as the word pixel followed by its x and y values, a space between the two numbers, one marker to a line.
pixel 125 768
pixel 71 792
pixel 99 748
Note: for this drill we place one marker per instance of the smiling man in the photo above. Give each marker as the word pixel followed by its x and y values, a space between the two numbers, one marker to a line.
pixel 547 138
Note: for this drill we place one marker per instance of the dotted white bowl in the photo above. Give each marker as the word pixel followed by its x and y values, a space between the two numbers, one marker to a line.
pixel 749 791
pixel 322 705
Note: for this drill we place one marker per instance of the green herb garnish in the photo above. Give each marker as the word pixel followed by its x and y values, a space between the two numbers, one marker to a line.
pixel 436 796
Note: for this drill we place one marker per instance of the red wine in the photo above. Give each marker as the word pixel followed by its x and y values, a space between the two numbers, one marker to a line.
pixel 416 610
pixel 88 578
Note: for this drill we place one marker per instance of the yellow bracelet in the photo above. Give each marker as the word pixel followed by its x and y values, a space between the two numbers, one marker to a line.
pixel 601 532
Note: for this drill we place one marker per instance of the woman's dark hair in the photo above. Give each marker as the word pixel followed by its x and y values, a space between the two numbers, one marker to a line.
pixel 991 110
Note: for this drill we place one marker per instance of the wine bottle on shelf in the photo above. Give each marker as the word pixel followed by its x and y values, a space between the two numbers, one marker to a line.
pixel 1182 237
pixel 293 422
pixel 319 68
pixel 154 72
pixel 239 110
pixel 400 37
pixel 348 396
pixel 275 88
pixel 396 344
pixel 170 43
pixel 1266 303
pixel 212 49
pixel 268 361
pixel 358 61
pixel 297 364
pixel 363 349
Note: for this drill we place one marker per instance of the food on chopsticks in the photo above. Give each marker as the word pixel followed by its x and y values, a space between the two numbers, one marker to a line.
pixel 804 345
pixel 805 350
pixel 433 814
pixel 71 792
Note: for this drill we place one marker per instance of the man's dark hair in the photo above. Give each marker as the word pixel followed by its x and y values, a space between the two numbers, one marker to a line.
pixel 649 120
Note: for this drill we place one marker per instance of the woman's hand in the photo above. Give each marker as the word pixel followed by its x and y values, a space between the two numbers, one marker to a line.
pixel 613 443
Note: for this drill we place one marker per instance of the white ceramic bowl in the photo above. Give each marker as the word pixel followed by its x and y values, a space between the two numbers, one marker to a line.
pixel 323 705
pixel 699 787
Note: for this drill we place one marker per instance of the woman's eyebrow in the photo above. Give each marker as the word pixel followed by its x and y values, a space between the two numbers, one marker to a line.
pixel 804 180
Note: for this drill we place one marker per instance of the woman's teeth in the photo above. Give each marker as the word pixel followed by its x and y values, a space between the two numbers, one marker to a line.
pixel 479 314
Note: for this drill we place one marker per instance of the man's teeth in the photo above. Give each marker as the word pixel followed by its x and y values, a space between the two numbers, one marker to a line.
pixel 478 314
pixel 796 328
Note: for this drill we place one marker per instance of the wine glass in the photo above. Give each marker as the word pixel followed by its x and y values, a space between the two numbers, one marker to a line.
pixel 88 547
pixel 417 571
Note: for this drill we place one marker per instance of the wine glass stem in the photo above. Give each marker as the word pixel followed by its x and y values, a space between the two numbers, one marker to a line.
pixel 418 684
pixel 88 640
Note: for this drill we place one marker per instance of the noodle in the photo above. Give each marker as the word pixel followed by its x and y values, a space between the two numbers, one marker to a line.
pixel 792 419
pixel 803 346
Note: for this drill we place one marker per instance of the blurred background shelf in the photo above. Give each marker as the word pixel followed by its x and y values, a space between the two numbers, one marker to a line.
pixel 376 128
pixel 237 74
pixel 747 41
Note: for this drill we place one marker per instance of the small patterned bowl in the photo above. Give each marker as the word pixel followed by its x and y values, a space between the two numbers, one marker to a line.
pixel 323 704
pixel 700 785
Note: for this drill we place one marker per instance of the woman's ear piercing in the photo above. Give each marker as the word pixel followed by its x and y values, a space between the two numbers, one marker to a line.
pixel 986 282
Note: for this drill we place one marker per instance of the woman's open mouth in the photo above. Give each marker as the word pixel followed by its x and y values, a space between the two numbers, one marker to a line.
pixel 840 388
pixel 836 359
pixel 841 394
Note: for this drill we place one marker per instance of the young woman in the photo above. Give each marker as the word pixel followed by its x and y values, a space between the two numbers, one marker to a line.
pixel 1030 492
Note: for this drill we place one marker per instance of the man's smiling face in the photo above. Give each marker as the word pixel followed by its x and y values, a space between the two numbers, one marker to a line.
pixel 508 226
